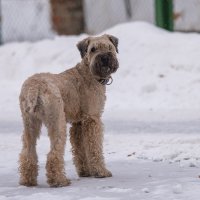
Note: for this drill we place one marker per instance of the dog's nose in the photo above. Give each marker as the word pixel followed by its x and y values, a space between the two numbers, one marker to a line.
pixel 104 59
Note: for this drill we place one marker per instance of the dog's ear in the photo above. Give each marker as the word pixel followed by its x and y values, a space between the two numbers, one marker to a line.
pixel 114 40
pixel 83 46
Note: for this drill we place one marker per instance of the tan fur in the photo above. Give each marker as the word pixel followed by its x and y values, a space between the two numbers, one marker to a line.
pixel 74 96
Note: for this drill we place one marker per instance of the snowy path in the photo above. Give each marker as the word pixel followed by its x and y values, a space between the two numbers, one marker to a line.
pixel 132 180
pixel 129 151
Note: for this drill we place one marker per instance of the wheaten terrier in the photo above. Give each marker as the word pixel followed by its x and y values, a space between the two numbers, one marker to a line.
pixel 75 96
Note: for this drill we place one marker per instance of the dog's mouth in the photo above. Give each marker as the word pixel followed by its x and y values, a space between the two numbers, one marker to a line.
pixel 103 74
pixel 107 70
pixel 104 65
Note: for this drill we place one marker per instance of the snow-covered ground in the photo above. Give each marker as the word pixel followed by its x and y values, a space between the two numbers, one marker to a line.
pixel 152 117
pixel 128 155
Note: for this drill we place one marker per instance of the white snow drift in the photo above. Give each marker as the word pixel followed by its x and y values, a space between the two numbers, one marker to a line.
pixel 158 76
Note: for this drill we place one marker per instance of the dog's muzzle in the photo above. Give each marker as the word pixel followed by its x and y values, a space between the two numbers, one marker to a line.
pixel 105 64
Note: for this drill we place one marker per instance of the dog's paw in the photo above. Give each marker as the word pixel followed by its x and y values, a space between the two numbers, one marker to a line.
pixel 59 183
pixel 103 174
pixel 28 183
pixel 84 174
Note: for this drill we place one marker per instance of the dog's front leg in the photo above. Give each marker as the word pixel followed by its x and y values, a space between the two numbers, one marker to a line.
pixel 78 149
pixel 93 141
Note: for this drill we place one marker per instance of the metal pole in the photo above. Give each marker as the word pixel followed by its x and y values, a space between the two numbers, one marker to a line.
pixel 128 8
pixel 164 14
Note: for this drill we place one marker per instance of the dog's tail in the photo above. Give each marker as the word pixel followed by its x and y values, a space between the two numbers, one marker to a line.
pixel 29 99
pixel 32 99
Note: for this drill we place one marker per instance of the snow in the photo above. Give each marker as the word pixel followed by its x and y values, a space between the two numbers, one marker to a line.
pixel 133 177
pixel 158 77
pixel 152 118
pixel 146 190
pixel 177 189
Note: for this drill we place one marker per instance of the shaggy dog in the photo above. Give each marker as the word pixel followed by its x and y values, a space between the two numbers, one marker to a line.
pixel 75 96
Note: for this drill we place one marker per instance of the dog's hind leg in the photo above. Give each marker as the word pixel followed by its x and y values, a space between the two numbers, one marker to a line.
pixel 28 160
pixel 56 125
pixel 78 150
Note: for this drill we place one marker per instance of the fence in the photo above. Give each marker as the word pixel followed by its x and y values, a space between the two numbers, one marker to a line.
pixel 32 20
pixel 25 20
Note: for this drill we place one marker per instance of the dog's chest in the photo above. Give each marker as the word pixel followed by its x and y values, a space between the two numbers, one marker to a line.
pixel 93 100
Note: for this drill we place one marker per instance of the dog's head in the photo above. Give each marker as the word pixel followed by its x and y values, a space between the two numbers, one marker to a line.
pixel 100 54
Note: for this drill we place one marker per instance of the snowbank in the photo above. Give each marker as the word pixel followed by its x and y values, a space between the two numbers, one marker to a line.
pixel 158 77
pixel 152 113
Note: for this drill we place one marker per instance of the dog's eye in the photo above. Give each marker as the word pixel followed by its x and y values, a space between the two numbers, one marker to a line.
pixel 93 49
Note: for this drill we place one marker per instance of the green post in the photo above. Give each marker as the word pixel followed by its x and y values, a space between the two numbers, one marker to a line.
pixel 164 14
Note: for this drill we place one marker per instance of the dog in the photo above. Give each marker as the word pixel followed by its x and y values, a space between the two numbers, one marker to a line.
pixel 75 96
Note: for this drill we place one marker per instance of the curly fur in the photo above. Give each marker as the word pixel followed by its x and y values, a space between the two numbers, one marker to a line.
pixel 74 96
